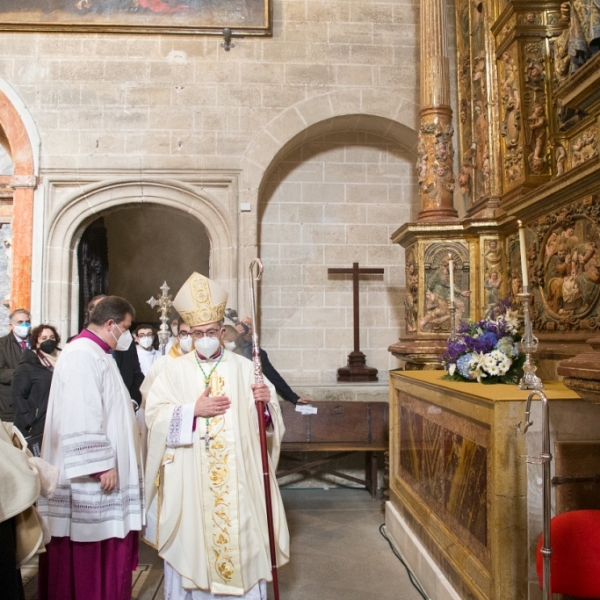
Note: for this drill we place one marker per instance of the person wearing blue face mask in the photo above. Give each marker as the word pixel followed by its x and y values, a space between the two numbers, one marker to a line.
pixel 12 347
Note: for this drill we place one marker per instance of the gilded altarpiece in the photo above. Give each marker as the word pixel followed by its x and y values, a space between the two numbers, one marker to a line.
pixel 523 37
pixel 564 265
pixel 477 110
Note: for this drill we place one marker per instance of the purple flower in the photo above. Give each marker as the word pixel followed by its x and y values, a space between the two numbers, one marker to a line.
pixel 453 351
pixel 484 343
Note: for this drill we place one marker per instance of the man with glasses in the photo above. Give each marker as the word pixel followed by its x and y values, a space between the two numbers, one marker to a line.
pixel 147 354
pixel 12 346
pixel 206 500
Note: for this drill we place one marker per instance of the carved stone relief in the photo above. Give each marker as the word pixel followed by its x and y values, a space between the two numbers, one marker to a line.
pixel 536 124
pixel 584 147
pixel 511 122
pixel 436 313
pixel 434 163
pixel 560 157
pixel 411 300
pixel 565 263
pixel 493 271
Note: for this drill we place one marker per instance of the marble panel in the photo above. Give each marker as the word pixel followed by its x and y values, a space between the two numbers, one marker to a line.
pixel 444 459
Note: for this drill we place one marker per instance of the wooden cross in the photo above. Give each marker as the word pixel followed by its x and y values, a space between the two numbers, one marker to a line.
pixel 357 369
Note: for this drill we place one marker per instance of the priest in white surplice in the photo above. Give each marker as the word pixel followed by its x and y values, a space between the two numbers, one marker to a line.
pixel 207 514
pixel 91 436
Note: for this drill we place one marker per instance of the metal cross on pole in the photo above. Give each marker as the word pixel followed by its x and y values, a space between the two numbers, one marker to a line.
pixel 357 369
pixel 163 304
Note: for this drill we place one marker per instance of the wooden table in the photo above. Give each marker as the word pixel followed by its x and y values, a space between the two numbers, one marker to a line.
pixel 339 428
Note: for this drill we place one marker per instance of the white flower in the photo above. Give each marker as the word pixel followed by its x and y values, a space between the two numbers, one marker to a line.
pixel 451 369
pixel 489 361
pixel 512 321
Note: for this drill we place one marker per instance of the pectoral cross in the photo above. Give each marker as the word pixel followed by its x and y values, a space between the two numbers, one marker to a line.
pixel 207 438
pixel 357 369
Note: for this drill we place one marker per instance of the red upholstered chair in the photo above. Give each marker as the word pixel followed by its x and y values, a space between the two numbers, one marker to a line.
pixel 575 562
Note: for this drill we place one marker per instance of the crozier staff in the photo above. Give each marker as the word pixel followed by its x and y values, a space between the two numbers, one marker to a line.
pixel 206 499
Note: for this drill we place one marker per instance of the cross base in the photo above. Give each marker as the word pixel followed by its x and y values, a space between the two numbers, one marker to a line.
pixel 357 369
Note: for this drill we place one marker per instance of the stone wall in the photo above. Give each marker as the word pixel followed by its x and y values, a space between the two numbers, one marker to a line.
pixel 331 202
pixel 152 107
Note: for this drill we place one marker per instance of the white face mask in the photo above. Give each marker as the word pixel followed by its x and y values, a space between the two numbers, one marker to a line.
pixel 230 346
pixel 207 346
pixel 145 342
pixel 174 329
pixel 124 341
pixel 186 344
pixel 22 331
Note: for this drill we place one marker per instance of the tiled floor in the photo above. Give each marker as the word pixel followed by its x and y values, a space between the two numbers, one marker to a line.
pixel 337 552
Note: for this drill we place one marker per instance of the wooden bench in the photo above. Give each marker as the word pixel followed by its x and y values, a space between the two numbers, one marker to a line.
pixel 339 429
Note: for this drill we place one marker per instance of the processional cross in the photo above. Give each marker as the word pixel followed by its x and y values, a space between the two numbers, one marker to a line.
pixel 357 369
pixel 163 304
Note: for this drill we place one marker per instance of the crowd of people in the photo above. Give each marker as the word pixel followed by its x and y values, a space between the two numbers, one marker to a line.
pixel 107 440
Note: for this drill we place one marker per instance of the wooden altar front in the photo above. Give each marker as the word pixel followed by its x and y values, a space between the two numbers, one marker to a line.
pixel 458 480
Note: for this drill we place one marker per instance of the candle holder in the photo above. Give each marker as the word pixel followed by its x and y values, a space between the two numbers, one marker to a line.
pixel 529 344
pixel 452 321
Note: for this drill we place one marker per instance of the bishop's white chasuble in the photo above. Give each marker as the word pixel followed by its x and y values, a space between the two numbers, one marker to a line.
pixel 207 514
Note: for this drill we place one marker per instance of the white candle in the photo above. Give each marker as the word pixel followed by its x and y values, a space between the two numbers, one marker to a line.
pixel 523 248
pixel 451 271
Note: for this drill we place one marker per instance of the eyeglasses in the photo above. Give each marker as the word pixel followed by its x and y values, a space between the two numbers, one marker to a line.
pixel 145 335
pixel 211 333
pixel 182 335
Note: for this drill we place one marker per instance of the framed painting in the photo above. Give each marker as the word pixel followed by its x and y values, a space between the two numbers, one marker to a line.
pixel 243 17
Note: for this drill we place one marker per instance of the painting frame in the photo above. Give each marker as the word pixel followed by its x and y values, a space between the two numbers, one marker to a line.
pixel 172 17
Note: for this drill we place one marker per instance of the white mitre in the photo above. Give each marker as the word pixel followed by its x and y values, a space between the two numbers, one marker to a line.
pixel 200 301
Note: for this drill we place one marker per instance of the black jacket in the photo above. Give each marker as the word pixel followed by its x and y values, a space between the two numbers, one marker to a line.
pixel 10 356
pixel 270 372
pixel 30 391
pixel 131 372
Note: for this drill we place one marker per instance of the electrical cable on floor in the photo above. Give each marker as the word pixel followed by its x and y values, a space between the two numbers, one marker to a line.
pixel 411 575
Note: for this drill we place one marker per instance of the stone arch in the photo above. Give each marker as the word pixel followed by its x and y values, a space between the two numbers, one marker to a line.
pixel 364 110
pixel 68 221
pixel 372 111
pixel 23 142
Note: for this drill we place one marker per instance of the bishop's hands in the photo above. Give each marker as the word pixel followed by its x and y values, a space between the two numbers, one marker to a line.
pixel 211 406
pixel 261 392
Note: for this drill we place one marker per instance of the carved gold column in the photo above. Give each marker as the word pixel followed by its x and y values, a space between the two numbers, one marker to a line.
pixel 435 151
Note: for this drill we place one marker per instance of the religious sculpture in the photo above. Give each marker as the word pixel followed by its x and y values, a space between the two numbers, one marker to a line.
pixel 436 318
pixel 411 300
pixel 537 138
pixel 565 262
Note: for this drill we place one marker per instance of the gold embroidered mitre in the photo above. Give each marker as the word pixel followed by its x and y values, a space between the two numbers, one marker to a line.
pixel 200 301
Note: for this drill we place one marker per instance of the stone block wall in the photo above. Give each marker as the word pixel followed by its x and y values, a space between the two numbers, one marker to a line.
pixel 147 107
pixel 331 202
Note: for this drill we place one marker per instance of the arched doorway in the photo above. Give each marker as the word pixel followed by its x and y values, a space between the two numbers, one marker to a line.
pixel 131 250
pixel 125 205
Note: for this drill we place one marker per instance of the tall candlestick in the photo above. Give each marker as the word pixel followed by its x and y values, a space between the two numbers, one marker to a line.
pixel 451 272
pixel 523 248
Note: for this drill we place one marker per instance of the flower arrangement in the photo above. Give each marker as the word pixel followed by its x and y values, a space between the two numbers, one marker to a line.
pixel 487 351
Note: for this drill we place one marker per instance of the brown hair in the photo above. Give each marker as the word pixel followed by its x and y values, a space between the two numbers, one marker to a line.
pixel 37 331
pixel 111 307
